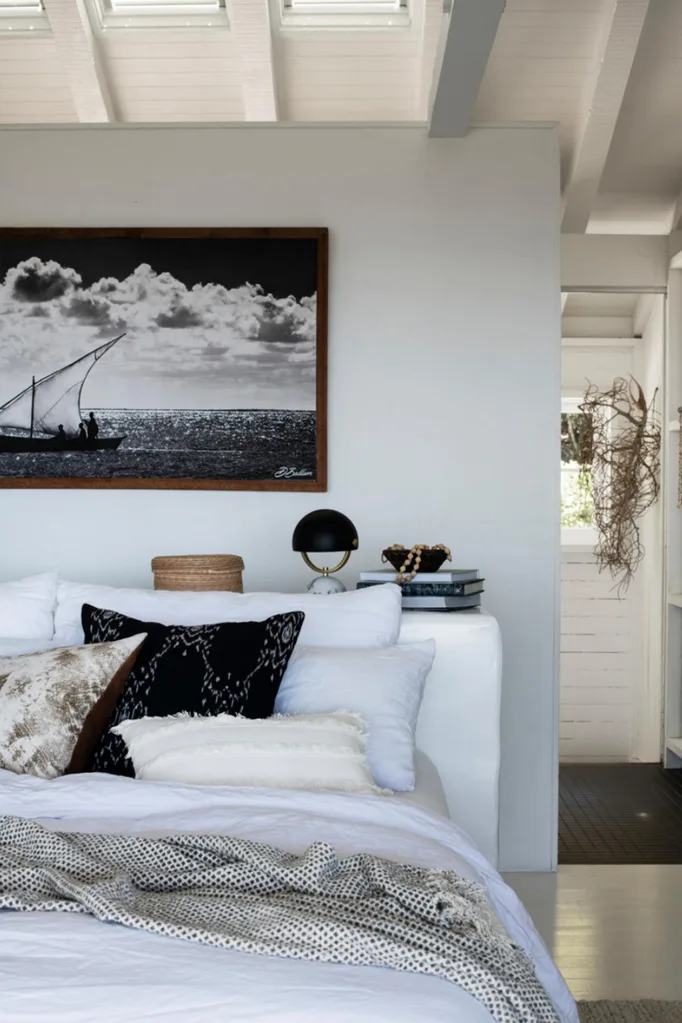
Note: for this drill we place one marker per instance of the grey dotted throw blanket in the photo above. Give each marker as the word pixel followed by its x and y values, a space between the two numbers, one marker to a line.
pixel 360 910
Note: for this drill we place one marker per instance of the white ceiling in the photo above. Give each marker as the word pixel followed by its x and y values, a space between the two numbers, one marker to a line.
pixel 608 72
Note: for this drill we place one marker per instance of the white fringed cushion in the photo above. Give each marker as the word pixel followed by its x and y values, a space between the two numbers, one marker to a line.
pixel 27 608
pixel 384 686
pixel 359 618
pixel 308 752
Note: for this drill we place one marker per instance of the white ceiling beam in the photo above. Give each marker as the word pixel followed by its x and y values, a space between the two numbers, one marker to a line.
pixel 472 28
pixel 564 300
pixel 643 310
pixel 79 53
pixel 250 24
pixel 677 215
pixel 603 99
pixel 432 26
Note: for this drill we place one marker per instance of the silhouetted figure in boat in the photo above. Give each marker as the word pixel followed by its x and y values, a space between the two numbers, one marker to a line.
pixel 61 436
pixel 93 427
pixel 82 433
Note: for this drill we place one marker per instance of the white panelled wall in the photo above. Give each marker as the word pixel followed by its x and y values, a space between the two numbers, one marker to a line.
pixel 611 643
pixel 598 654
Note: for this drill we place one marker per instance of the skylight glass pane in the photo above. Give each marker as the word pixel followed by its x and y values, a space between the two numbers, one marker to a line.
pixel 141 5
pixel 350 5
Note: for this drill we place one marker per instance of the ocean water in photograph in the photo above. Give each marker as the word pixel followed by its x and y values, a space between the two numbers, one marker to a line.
pixel 185 443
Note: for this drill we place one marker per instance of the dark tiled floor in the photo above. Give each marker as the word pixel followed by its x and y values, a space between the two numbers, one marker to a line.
pixel 619 813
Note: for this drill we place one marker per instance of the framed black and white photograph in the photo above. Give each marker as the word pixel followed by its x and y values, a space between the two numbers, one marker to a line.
pixel 177 358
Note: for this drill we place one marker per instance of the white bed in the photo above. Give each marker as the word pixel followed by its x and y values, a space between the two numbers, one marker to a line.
pixel 73 968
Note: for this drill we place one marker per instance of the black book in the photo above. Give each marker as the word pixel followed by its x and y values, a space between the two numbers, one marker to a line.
pixel 418 589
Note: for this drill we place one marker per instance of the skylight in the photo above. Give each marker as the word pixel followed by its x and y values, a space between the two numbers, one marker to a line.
pixel 345 13
pixel 23 16
pixel 159 13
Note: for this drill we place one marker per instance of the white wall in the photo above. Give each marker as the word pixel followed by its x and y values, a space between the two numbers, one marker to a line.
pixel 599 659
pixel 595 361
pixel 443 374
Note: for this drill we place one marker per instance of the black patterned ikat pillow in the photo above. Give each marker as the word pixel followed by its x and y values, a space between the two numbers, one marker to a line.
pixel 230 668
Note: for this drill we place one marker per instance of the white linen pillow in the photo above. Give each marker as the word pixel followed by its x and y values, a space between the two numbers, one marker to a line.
pixel 325 751
pixel 359 618
pixel 27 607
pixel 14 647
pixel 384 686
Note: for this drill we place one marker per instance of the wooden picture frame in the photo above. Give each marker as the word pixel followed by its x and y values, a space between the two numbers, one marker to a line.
pixel 67 293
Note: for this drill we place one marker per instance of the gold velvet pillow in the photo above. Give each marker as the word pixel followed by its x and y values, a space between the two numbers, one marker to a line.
pixel 46 698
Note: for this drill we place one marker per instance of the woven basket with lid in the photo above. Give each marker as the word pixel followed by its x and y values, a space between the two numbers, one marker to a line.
pixel 199 572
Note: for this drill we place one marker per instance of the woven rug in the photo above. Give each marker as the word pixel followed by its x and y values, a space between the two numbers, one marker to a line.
pixel 630 1012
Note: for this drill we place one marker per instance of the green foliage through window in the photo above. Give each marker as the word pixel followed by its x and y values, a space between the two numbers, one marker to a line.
pixel 577 510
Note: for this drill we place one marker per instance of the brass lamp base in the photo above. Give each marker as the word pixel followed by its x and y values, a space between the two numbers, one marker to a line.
pixel 325 583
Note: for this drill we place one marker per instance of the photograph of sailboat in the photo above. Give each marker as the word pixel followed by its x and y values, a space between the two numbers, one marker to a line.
pixel 163 358
pixel 46 416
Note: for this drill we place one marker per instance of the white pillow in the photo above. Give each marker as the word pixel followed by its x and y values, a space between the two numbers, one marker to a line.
pixel 15 647
pixel 313 752
pixel 27 607
pixel 359 618
pixel 384 686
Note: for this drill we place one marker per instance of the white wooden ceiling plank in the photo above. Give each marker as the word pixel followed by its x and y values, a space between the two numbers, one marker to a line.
pixel 604 96
pixel 471 32
pixel 365 45
pixel 224 65
pixel 119 41
pixel 173 47
pixel 371 67
pixel 189 94
pixel 79 52
pixel 149 108
pixel 192 117
pixel 174 81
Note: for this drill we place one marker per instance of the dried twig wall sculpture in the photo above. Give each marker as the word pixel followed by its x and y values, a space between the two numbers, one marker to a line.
pixel 620 460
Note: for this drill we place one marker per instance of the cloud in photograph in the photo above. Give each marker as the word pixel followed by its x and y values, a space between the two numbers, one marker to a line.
pixel 188 343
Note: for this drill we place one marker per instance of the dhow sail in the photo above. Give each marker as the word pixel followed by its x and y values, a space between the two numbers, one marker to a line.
pixel 54 400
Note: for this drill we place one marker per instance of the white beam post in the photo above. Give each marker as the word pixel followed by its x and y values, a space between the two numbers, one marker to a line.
pixel 80 56
pixel 602 101
pixel 250 24
pixel 470 36
pixel 432 25
pixel 677 215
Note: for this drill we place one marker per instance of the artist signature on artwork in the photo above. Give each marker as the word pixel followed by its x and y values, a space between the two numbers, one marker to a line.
pixel 287 472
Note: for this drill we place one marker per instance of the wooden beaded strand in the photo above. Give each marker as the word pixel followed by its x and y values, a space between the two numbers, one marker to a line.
pixel 414 556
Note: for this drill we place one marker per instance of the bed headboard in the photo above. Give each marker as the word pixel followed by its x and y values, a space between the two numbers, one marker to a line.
pixel 459 720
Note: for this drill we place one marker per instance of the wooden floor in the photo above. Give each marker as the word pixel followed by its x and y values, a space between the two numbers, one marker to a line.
pixel 614 931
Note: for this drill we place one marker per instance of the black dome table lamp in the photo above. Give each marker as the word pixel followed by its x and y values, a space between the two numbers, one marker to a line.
pixel 322 531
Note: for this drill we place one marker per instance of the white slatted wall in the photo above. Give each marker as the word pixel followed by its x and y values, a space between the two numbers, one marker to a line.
pixel 598 653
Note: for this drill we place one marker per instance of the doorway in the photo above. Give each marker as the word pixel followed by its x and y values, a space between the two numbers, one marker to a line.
pixel 616 803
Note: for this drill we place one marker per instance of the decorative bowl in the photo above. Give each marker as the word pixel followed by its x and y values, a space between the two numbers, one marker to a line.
pixel 431 560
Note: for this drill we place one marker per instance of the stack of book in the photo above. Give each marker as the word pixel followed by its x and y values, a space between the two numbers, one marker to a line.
pixel 447 590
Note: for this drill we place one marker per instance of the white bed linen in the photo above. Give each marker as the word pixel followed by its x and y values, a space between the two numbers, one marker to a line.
pixel 428 791
pixel 74 969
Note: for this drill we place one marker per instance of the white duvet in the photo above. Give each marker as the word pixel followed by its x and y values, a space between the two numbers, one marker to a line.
pixel 58 968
